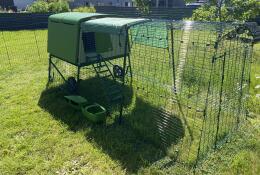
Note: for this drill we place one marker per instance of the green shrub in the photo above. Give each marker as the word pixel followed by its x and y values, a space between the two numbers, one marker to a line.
pixel 85 9
pixel 55 6
pixel 39 6
pixel 59 6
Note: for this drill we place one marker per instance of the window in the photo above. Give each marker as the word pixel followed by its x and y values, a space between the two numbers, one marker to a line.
pixel 89 42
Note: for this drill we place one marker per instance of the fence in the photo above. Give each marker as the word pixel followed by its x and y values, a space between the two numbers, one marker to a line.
pixel 19 21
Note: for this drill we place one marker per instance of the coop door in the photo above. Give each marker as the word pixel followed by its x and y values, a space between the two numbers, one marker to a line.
pixel 107 45
pixel 97 42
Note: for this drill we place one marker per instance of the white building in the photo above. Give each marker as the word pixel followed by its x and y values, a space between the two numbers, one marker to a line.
pixel 121 3
pixel 22 4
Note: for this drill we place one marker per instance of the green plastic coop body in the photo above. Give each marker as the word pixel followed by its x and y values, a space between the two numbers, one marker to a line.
pixel 79 38
pixel 64 34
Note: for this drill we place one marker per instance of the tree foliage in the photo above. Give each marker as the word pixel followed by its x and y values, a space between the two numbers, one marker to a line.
pixel 244 10
pixel 59 6
pixel 38 7
pixel 231 10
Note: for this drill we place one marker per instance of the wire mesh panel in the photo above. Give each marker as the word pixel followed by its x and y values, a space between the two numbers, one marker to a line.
pixel 185 83
pixel 197 75
pixel 21 48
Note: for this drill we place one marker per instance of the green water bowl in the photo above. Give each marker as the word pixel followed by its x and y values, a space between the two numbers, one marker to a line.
pixel 95 113
pixel 77 102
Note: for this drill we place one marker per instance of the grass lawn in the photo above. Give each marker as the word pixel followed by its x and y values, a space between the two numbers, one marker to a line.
pixel 41 134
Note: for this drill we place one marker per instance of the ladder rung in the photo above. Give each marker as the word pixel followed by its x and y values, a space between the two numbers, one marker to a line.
pixel 103 71
pixel 113 91
pixel 106 76
pixel 99 65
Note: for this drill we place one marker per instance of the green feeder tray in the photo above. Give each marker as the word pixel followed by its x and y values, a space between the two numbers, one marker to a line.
pixel 77 102
pixel 95 113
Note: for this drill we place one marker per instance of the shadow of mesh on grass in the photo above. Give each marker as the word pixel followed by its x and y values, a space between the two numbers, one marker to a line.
pixel 136 143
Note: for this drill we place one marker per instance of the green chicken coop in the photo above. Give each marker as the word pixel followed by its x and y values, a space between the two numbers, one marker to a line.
pixel 91 39
pixel 83 39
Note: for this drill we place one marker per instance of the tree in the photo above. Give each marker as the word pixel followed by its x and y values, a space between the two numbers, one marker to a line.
pixel 216 10
pixel 244 10
pixel 144 5
pixel 228 10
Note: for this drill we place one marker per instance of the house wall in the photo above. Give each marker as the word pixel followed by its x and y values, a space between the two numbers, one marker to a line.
pixel 6 3
pixel 120 3
pixel 167 3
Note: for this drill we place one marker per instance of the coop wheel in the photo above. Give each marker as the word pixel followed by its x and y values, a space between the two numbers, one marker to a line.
pixel 118 71
pixel 72 85
pixel 231 35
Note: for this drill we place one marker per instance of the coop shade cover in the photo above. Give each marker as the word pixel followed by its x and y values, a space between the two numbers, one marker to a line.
pixel 110 25
pixel 152 34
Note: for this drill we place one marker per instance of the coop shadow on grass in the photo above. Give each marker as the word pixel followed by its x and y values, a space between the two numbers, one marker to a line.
pixel 136 143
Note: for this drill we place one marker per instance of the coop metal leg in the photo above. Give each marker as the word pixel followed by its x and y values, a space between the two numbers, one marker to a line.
pixel 121 114
pixel 130 68
pixel 49 70
pixel 56 68
pixel 124 68
pixel 78 74
pixel 78 77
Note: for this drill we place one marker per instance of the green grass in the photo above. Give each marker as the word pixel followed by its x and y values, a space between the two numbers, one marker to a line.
pixel 41 134
pixel 254 102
